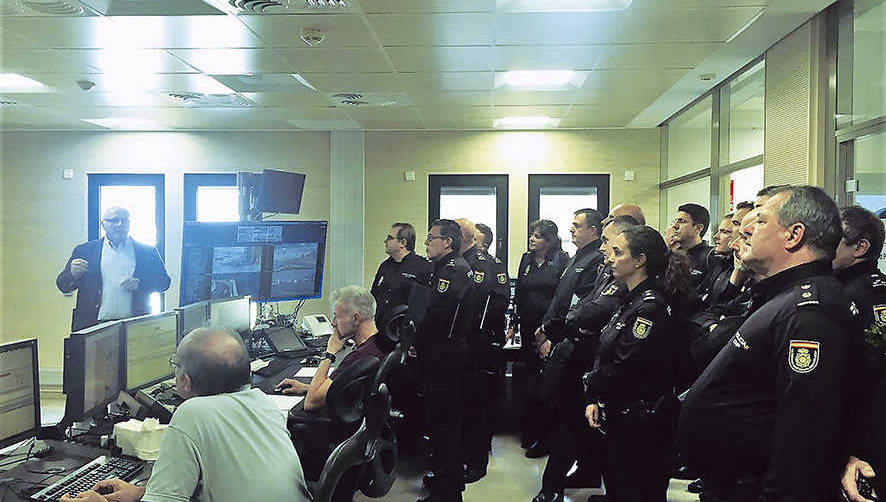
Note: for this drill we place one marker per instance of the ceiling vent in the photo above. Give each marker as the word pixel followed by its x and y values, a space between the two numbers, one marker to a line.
pixel 7 103
pixel 258 6
pixel 198 100
pixel 368 99
pixel 328 4
pixel 43 8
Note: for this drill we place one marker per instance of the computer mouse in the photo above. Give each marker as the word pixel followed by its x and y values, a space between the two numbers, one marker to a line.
pixel 311 361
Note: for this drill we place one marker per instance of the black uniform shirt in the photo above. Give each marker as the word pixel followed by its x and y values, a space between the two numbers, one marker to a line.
pixel 770 404
pixel 577 281
pixel 590 315
pixel 500 299
pixel 450 281
pixel 698 263
pixel 393 282
pixel 535 287
pixel 635 360
pixel 714 289
pixel 478 299
pixel 866 286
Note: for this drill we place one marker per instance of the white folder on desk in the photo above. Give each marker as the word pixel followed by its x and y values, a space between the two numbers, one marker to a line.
pixel 284 403
pixel 308 371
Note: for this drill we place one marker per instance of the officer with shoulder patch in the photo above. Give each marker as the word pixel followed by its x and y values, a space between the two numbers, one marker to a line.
pixel 856 267
pixel 631 387
pixel 442 353
pixel 396 275
pixel 765 420
pixel 500 290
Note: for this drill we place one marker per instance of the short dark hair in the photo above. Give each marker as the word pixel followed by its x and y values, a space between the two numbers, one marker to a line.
pixel 406 232
pixel 215 372
pixel 624 221
pixel 727 216
pixel 548 230
pixel 699 215
pixel 858 224
pixel 816 210
pixel 771 190
pixel 593 218
pixel 487 233
pixel 746 204
pixel 450 229
pixel 672 269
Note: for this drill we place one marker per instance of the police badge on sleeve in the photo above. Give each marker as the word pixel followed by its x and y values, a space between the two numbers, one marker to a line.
pixel 880 315
pixel 642 327
pixel 803 355
pixel 442 285
pixel 502 278
pixel 479 276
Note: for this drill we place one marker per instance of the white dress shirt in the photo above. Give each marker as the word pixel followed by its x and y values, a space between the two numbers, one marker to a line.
pixel 118 264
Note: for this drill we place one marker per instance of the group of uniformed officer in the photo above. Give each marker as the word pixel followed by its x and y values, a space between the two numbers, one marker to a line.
pixel 758 363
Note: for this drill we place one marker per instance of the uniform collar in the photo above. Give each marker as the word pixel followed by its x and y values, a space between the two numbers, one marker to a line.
pixel 589 247
pixel 865 267
pixel 696 250
pixel 471 252
pixel 442 262
pixel 641 288
pixel 784 280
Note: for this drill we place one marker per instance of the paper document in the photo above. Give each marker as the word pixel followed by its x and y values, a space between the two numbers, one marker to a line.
pixel 284 403
pixel 307 371
pixel 258 364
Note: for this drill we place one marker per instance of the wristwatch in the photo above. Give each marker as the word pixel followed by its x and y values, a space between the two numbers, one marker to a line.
pixel 330 356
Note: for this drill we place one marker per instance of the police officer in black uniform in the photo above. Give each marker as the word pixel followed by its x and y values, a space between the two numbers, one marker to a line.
pixel 686 233
pixel 396 275
pixel 442 353
pixel 855 264
pixel 630 390
pixel 764 420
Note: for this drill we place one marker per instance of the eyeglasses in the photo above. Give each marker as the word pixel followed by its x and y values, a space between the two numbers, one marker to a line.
pixel 173 362
pixel 116 221
pixel 390 237
pixel 432 237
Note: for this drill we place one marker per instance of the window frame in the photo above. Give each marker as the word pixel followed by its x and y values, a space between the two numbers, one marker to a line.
pixel 191 184
pixel 538 181
pixel 96 181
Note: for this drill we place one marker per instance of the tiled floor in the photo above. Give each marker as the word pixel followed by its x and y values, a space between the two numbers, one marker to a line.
pixel 511 477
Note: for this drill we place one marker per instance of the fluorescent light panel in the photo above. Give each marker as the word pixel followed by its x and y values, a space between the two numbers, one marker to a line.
pixel 127 124
pixel 525 122
pixel 14 81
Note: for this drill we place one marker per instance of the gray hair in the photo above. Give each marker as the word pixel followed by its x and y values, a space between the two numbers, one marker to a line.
pixel 356 299
pixel 815 210
pixel 215 359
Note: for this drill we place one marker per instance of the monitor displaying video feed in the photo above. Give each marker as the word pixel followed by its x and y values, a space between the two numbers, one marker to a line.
pixel 93 370
pixel 19 392
pixel 267 260
pixel 149 343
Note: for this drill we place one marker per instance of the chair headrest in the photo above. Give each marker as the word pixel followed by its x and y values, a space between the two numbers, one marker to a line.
pixel 345 399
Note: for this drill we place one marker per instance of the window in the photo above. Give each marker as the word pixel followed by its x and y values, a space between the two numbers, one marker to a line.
pixel 861 73
pixel 689 140
pixel 744 185
pixel 211 197
pixel 698 191
pixel 746 113
pixel 142 195
pixel 479 198
pixel 556 197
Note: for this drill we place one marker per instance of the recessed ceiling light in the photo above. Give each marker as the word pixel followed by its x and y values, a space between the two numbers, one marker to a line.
pixel 127 124
pixel 525 122
pixel 14 81
pixel 539 79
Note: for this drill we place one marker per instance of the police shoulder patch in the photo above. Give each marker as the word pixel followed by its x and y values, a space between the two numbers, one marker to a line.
pixel 479 276
pixel 642 327
pixel 803 355
pixel 649 295
pixel 880 315
pixel 502 278
pixel 526 271
pixel 442 285
pixel 611 290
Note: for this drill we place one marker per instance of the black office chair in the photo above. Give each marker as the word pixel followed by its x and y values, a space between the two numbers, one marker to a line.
pixel 353 459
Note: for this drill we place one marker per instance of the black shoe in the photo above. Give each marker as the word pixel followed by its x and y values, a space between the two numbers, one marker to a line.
pixel 548 497
pixel 597 498
pixel 537 450
pixel 684 472
pixel 583 480
pixel 441 498
pixel 527 441
pixel 474 474
pixel 696 486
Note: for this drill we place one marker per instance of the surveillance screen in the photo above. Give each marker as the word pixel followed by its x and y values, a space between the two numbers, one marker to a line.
pixel 295 270
pixel 17 399
pixel 150 342
pixel 235 271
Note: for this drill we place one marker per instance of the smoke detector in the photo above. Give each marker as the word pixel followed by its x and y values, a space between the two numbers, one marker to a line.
pixel 312 37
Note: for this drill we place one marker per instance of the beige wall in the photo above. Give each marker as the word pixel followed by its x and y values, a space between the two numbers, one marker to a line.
pixel 44 216
pixel 389 154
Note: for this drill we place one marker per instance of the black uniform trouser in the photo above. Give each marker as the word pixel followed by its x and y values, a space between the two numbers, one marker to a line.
pixel 475 417
pixel 639 453
pixel 443 398
pixel 536 415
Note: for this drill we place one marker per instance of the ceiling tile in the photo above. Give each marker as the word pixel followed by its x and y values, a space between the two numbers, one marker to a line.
pixel 136 32
pixel 632 79
pixel 449 81
pixel 321 119
pixel 451 98
pixel 342 30
pixel 288 99
pixel 337 60
pixel 125 60
pixel 44 61
pixel 534 98
pixel 62 100
pixel 234 61
pixel 413 6
pixel 159 82
pixel 387 118
pixel 684 25
pixel 654 55
pixel 433 29
pixel 676 4
pixel 429 59
pixel 553 28
pixel 216 118
pixel 597 116
pixel 354 82
pixel 531 111
pixel 471 117
pixel 547 57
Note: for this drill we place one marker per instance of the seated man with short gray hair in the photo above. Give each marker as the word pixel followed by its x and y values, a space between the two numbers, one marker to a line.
pixel 225 443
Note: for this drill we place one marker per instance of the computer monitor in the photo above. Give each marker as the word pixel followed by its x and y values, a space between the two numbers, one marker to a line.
pixel 281 191
pixel 191 317
pixel 149 343
pixel 93 370
pixel 231 314
pixel 19 392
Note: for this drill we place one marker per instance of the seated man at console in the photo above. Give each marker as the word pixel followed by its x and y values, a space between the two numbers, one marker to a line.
pixel 353 317
pixel 226 442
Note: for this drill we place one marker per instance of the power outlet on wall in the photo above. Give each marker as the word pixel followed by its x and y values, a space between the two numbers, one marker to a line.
pixel 68 174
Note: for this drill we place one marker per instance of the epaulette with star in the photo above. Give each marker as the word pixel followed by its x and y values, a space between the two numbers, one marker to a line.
pixel 808 295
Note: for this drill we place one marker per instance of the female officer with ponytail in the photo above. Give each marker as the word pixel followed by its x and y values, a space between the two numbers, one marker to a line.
pixel 631 387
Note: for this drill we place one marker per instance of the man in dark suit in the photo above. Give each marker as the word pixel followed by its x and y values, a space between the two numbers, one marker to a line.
pixel 114 275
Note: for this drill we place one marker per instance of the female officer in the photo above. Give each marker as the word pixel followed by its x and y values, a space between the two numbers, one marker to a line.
pixel 537 279
pixel 631 387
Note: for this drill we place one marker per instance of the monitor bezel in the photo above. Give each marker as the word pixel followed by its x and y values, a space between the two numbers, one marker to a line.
pixel 124 340
pixel 75 376
pixel 21 436
pixel 180 322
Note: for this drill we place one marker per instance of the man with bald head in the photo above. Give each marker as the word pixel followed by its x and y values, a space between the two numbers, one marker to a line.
pixel 631 210
pixel 225 443
pixel 114 276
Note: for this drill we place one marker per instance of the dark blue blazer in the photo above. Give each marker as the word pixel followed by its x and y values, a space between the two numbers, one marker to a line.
pixel 149 270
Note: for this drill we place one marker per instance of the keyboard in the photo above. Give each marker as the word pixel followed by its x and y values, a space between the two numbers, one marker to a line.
pixel 86 477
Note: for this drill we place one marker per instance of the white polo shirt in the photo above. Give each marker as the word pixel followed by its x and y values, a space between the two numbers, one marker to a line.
pixel 118 264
